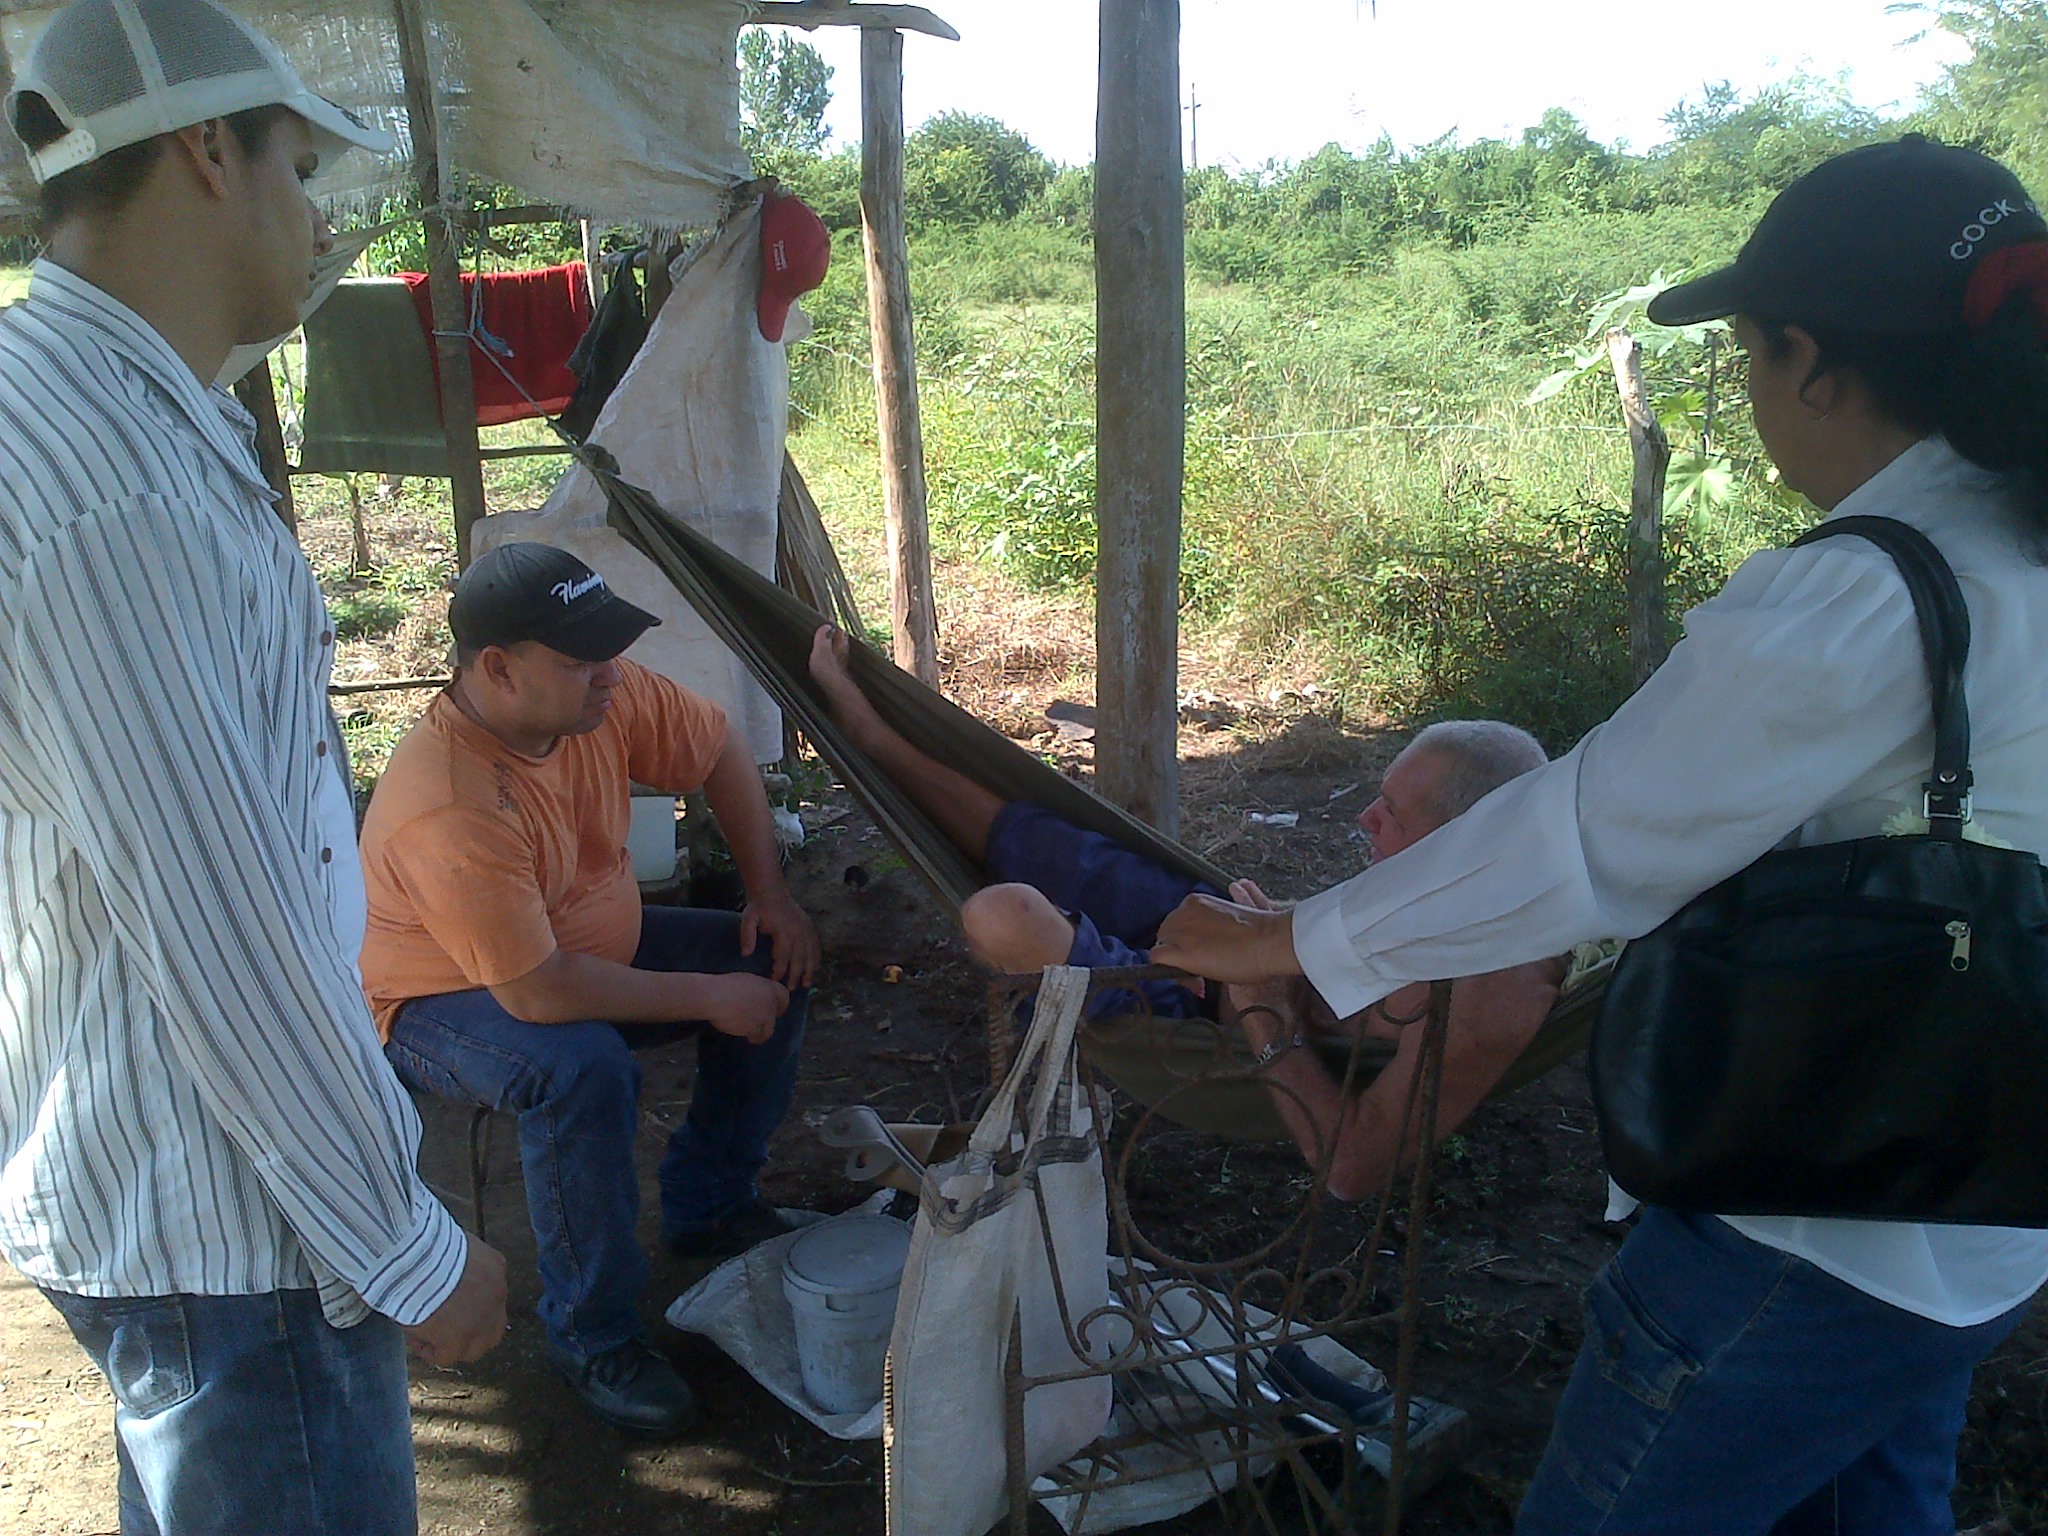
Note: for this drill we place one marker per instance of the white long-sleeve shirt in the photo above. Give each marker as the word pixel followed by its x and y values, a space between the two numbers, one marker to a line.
pixel 1796 710
pixel 192 1097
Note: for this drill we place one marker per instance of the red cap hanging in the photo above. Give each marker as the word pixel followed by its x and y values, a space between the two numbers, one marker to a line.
pixel 795 250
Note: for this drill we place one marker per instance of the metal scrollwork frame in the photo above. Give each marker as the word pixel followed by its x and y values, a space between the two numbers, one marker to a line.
pixel 1146 1338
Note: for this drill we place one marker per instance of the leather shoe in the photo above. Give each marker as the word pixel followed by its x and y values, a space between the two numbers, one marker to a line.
pixel 631 1387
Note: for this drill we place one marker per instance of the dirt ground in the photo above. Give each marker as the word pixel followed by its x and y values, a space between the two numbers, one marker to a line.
pixel 1512 1238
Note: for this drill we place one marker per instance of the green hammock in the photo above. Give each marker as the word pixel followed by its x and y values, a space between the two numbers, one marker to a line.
pixel 1193 1072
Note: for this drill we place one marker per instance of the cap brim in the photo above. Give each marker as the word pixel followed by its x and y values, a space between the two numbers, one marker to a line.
pixel 1713 297
pixel 335 132
pixel 601 634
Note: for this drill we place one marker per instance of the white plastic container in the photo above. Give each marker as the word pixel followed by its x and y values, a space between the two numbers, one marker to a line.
pixel 841 1278
pixel 651 837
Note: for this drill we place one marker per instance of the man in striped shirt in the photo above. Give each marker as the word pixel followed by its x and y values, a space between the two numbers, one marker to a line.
pixel 204 1161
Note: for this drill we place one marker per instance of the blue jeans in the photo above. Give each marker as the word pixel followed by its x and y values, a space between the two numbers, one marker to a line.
pixel 1116 898
pixel 576 1091
pixel 1729 1389
pixel 252 1414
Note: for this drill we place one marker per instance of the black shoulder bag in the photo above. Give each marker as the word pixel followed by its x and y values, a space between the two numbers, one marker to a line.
pixel 1850 1029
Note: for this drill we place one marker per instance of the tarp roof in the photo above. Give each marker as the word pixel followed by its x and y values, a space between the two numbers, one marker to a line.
pixel 622 109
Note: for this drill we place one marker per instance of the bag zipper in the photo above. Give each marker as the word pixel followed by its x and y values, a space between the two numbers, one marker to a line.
pixel 1959 953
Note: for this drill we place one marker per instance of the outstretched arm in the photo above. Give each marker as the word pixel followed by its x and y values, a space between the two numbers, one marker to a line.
pixel 1228 941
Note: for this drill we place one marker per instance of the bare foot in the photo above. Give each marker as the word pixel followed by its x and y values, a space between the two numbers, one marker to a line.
pixel 851 710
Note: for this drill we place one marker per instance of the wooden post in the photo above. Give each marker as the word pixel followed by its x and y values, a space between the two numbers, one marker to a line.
pixel 888 262
pixel 1140 384
pixel 444 281
pixel 1648 643
pixel 259 399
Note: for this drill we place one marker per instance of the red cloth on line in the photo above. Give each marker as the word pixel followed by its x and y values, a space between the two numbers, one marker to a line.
pixel 541 314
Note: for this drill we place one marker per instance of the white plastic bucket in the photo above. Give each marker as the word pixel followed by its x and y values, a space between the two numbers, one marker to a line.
pixel 841 1277
pixel 651 836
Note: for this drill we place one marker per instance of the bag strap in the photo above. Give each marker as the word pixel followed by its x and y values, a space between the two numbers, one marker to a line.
pixel 1046 1047
pixel 1064 993
pixel 1944 619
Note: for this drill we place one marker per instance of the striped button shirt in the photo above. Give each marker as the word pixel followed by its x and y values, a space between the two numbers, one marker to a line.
pixel 192 1097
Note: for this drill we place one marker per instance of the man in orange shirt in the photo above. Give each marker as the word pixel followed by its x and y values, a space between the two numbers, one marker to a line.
pixel 510 964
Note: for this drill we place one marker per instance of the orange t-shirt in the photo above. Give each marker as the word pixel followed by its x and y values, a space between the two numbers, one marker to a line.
pixel 481 862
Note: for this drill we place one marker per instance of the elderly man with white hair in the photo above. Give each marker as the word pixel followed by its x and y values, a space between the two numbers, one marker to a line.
pixel 1446 770
pixel 1062 895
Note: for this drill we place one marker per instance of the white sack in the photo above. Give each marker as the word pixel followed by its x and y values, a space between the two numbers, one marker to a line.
pixel 979 1257
pixel 698 421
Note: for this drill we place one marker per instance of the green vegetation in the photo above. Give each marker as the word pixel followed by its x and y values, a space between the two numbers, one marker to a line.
pixel 369 604
pixel 1405 462
pixel 1370 490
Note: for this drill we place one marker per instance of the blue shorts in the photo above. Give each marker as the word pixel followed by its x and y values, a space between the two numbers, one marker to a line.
pixel 1116 898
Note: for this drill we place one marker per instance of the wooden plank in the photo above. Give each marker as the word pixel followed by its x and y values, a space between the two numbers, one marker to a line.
pixel 488 455
pixel 386 685
pixel 1649 639
pixel 812 14
pixel 259 398
pixel 468 219
pixel 444 283
pixel 524 451
pixel 911 617
pixel 1140 384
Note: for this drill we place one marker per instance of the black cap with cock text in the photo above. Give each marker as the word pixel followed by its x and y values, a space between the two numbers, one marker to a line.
pixel 1880 241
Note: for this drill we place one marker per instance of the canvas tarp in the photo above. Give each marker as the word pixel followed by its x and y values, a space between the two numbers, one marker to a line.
pixel 623 109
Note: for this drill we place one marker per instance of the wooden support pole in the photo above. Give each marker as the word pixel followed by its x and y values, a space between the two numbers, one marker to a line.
pixel 911 616
pixel 1140 384
pixel 259 398
pixel 1648 641
pixel 444 282
pixel 812 14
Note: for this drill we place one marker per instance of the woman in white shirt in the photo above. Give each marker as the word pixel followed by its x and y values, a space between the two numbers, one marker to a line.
pixel 1742 1374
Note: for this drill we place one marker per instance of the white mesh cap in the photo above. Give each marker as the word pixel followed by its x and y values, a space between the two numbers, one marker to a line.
pixel 117 72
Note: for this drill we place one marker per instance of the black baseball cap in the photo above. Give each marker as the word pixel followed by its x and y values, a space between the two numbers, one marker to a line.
pixel 529 591
pixel 1880 241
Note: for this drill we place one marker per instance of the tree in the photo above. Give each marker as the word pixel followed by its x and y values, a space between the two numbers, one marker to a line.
pixel 962 168
pixel 1726 150
pixel 785 86
pixel 1997 99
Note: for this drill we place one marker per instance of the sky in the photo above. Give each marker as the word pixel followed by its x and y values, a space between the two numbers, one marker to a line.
pixel 1278 79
